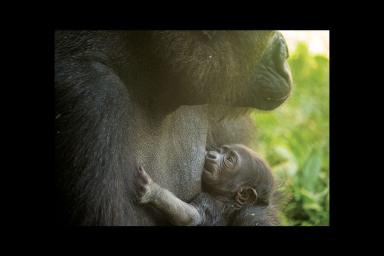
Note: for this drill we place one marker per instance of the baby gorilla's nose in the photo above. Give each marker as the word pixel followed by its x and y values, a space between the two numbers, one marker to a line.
pixel 212 155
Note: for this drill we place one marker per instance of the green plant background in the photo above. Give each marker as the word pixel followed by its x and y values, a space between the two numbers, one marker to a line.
pixel 294 139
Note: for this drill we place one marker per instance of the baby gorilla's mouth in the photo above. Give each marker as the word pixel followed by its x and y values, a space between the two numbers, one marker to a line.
pixel 208 167
pixel 210 171
pixel 211 168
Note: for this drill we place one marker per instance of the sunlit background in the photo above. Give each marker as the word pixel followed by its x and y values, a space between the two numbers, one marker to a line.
pixel 294 138
pixel 316 41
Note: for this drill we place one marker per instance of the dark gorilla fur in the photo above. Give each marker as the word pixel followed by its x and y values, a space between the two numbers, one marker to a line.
pixel 130 98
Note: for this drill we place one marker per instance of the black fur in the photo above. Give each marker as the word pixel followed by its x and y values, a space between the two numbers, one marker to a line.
pixel 214 213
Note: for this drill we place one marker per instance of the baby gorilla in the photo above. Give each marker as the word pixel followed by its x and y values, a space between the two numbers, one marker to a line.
pixel 237 184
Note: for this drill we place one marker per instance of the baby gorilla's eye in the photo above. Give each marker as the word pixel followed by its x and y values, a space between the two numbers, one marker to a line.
pixel 229 160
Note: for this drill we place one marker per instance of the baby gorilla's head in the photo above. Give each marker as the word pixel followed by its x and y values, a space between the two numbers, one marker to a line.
pixel 237 172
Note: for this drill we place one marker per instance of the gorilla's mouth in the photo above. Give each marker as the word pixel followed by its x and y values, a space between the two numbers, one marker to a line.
pixel 210 171
pixel 274 79
pixel 210 167
pixel 269 97
pixel 279 58
pixel 271 102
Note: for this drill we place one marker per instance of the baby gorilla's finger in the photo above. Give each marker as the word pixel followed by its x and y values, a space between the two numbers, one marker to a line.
pixel 142 185
pixel 139 180
pixel 143 175
pixel 139 175
pixel 142 180
pixel 140 170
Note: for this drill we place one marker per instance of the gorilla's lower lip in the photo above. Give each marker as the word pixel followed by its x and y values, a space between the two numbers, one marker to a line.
pixel 270 103
pixel 209 165
pixel 208 171
pixel 280 99
pixel 208 168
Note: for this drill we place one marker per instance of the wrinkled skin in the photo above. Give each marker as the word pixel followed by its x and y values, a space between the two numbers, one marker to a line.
pixel 130 98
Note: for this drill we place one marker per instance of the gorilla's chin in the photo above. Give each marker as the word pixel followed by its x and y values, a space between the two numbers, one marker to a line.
pixel 271 98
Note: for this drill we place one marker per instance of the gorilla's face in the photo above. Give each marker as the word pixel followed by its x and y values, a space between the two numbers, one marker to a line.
pixel 238 68
pixel 272 79
pixel 230 167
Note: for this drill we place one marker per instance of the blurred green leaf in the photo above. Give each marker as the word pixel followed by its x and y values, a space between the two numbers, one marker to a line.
pixel 294 139
pixel 311 171
pixel 312 206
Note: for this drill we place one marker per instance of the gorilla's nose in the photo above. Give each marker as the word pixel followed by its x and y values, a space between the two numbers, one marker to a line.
pixel 280 56
pixel 274 86
pixel 212 155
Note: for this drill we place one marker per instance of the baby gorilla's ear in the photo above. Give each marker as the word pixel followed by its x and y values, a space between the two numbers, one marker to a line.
pixel 246 195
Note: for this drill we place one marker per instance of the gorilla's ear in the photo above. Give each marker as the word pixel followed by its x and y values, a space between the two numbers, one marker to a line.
pixel 246 195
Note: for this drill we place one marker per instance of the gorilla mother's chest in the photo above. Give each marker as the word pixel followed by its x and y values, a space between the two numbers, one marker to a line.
pixel 172 150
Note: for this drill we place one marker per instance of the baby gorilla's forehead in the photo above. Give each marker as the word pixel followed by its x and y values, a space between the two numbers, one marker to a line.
pixel 250 164
pixel 243 150
pixel 246 154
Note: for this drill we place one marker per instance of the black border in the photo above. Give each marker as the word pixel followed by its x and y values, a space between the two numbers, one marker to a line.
pixel 261 235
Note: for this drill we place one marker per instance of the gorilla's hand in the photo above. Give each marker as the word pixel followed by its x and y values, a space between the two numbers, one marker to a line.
pixel 178 212
pixel 144 186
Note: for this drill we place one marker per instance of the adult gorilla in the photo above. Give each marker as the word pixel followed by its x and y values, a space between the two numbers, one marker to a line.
pixel 124 99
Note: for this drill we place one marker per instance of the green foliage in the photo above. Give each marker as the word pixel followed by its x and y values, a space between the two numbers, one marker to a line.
pixel 295 141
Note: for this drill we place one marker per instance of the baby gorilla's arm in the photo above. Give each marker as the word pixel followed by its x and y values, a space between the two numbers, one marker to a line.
pixel 178 212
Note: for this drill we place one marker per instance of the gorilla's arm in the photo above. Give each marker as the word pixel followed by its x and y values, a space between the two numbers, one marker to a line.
pixel 177 212
pixel 93 154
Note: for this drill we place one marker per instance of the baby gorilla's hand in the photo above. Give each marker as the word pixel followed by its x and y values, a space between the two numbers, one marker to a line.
pixel 143 186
